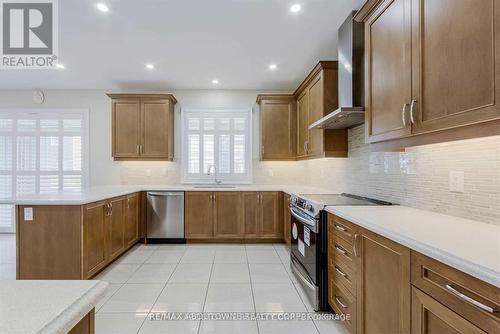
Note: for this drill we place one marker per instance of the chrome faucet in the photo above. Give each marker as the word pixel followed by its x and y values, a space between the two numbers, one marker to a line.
pixel 217 181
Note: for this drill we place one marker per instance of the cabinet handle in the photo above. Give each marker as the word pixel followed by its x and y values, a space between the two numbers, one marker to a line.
pixel 305 148
pixel 343 274
pixel 210 198
pixel 262 149
pixel 214 198
pixel 339 302
pixel 343 251
pixel 403 114
pixel 138 149
pixel 128 203
pixel 470 300
pixel 340 227
pixel 355 242
pixel 110 209
pixel 107 209
pixel 412 111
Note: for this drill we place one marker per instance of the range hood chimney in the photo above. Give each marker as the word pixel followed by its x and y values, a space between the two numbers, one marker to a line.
pixel 351 47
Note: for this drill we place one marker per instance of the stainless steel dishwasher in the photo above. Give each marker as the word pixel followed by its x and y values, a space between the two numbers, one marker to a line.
pixel 165 217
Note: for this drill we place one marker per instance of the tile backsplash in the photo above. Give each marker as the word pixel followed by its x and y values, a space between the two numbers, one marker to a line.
pixel 418 177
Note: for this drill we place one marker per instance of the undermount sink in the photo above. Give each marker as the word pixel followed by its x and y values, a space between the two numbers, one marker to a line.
pixel 215 186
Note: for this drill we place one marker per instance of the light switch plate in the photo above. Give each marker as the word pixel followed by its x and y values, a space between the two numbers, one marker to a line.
pixel 28 214
pixel 457 180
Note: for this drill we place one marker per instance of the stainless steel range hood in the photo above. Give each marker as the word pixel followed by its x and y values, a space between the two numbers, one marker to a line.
pixel 351 79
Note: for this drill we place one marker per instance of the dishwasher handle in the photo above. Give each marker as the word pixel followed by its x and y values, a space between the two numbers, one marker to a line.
pixel 163 194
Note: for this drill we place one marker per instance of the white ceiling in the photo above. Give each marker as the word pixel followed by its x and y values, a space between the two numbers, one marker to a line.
pixel 190 42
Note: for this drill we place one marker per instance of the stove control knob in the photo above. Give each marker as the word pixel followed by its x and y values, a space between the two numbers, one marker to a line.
pixel 309 208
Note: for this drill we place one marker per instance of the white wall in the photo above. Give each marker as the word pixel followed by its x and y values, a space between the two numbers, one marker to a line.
pixel 105 171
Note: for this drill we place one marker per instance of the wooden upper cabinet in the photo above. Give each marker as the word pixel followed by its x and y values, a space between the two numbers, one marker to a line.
pixel 199 215
pixel 157 115
pixel 228 215
pixel 132 220
pixel 302 123
pixel 433 70
pixel 388 69
pixel 278 119
pixel 383 283
pixel 126 119
pixel 456 62
pixel 95 250
pixel 143 126
pixel 316 97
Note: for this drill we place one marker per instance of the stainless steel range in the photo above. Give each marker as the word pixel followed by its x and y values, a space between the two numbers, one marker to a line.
pixel 308 254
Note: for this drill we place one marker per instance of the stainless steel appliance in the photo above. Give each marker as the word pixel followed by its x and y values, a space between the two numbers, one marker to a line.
pixel 165 217
pixel 308 250
pixel 351 111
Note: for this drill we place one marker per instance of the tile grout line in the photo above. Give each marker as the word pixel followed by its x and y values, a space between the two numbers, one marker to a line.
pixel 206 293
pixel 251 288
pixel 157 297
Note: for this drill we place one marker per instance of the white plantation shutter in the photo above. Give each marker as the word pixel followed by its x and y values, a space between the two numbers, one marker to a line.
pixel 218 138
pixel 41 152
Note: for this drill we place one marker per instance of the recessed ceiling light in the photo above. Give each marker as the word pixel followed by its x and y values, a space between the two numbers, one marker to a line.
pixel 215 81
pixel 102 7
pixel 295 8
pixel 61 66
pixel 273 67
pixel 150 66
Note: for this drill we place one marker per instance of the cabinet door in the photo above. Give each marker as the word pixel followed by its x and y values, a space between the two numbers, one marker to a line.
pixel 388 61
pixel 227 215
pixel 132 222
pixel 278 119
pixel 383 283
pixel 431 317
pixel 126 128
pixel 302 123
pixel 94 238
pixel 198 215
pixel 270 213
pixel 316 110
pixel 116 227
pixel 251 214
pixel 456 62
pixel 287 219
pixel 156 123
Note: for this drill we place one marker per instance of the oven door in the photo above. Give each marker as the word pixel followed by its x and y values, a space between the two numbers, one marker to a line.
pixel 304 238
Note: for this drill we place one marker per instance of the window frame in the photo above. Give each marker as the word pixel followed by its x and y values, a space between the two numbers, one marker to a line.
pixel 38 114
pixel 187 178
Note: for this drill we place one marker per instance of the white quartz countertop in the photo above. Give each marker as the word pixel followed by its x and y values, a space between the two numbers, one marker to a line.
pixel 469 246
pixel 94 194
pixel 29 306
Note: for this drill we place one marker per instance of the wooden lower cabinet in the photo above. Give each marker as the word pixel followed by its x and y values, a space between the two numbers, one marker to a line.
pixel 383 283
pixel 116 225
pixel 271 204
pixel 74 241
pixel 95 250
pixel 431 317
pixel 233 215
pixel 132 223
pixel 228 215
pixel 397 290
pixel 198 215
pixel 287 219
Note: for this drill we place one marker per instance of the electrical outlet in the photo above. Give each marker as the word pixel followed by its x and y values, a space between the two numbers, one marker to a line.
pixel 28 214
pixel 457 180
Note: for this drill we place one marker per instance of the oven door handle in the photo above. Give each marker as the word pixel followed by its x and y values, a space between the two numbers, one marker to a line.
pixel 311 223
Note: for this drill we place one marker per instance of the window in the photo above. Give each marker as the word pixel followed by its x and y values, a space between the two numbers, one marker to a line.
pixel 216 142
pixel 41 152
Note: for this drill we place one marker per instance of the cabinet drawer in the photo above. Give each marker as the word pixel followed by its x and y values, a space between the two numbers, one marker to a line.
pixel 475 300
pixel 343 303
pixel 342 251
pixel 341 228
pixel 344 275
